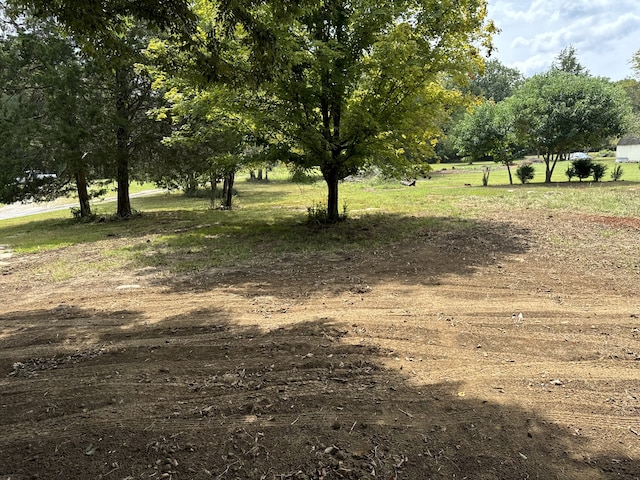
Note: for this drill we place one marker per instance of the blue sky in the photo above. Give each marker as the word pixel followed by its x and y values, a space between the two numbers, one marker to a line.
pixel 605 33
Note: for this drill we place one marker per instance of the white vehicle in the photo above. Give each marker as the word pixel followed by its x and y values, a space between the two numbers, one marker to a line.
pixel 30 175
pixel 579 156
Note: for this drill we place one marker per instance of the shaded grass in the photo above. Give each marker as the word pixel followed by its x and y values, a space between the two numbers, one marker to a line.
pixel 269 219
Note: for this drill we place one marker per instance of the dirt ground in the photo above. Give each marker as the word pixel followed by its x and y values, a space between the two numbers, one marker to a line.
pixel 507 349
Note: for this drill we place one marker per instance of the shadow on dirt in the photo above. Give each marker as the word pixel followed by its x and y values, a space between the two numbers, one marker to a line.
pixel 354 257
pixel 197 396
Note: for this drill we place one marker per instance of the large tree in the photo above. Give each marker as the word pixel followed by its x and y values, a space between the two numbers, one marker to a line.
pixel 109 38
pixel 559 112
pixel 49 111
pixel 346 84
pixel 488 132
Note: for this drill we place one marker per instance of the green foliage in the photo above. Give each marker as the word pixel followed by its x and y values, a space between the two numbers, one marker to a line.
pixel 616 173
pixel 598 170
pixel 82 109
pixel 567 61
pixel 585 167
pixel 496 82
pixel 558 112
pixel 582 168
pixel 346 85
pixel 525 173
pixel 487 133
pixel 318 214
pixel 631 88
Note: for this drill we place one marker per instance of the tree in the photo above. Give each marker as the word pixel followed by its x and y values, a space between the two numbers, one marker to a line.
pixel 496 82
pixel 111 43
pixel 567 61
pixel 557 112
pixel 48 111
pixel 487 132
pixel 348 84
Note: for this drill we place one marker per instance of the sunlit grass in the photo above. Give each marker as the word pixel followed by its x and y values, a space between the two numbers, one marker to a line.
pixel 269 218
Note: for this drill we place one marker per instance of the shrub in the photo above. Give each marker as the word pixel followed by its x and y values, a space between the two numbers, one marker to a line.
pixel 525 173
pixel 571 172
pixel 582 167
pixel 318 214
pixel 617 172
pixel 598 170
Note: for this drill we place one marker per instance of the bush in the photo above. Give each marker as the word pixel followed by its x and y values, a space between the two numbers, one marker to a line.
pixel 598 170
pixel 582 167
pixel 571 172
pixel 617 172
pixel 525 172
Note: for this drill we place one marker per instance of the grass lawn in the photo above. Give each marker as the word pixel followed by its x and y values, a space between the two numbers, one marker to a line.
pixel 275 213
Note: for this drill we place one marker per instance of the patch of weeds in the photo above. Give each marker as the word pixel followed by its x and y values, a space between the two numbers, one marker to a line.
pixel 318 214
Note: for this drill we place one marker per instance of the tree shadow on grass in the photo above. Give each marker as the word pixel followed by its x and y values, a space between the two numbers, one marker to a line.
pixel 219 400
pixel 354 256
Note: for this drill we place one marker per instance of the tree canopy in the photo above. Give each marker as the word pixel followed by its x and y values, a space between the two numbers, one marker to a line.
pixel 559 112
pixel 353 84
pixel 488 132
pixel 496 82
pixel 567 61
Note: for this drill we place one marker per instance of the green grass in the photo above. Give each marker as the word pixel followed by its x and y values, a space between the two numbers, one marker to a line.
pixel 269 219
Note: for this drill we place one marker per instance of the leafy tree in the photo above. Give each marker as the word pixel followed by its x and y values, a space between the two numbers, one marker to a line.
pixel 345 85
pixel 48 112
pixel 632 87
pixel 211 129
pixel 487 132
pixel 111 43
pixel 567 61
pixel 496 82
pixel 558 112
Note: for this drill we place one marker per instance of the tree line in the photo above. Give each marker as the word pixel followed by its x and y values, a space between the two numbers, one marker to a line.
pixel 551 114
pixel 185 94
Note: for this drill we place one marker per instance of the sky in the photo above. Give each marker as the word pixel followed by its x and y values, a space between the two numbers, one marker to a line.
pixel 605 34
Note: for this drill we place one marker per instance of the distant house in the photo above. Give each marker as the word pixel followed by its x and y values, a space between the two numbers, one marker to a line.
pixel 628 150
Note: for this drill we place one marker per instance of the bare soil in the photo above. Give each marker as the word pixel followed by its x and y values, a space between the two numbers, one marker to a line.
pixel 507 349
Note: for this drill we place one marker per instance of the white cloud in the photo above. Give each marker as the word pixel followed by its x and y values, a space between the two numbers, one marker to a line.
pixel 533 33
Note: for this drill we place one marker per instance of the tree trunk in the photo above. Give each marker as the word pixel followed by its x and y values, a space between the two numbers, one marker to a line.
pixel 510 177
pixel 122 147
pixel 83 194
pixel 332 179
pixel 229 179
pixel 124 202
pixel 550 165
